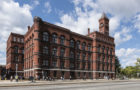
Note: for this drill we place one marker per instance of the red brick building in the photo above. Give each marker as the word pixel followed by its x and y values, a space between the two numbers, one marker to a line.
pixel 54 51
pixel 15 54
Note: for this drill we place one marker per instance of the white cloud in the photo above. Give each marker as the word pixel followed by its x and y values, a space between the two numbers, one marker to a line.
pixel 36 2
pixel 48 6
pixel 128 56
pixel 13 18
pixel 122 36
pixel 121 8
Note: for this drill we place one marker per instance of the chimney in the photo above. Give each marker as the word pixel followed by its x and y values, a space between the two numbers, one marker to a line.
pixel 28 28
pixel 88 31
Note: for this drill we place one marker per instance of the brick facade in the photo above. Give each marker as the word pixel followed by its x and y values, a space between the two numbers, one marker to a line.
pixel 15 54
pixel 54 51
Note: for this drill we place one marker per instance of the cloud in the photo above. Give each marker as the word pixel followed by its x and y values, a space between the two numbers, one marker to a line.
pixel 128 56
pixel 122 36
pixel 36 2
pixel 13 18
pixel 48 6
pixel 121 8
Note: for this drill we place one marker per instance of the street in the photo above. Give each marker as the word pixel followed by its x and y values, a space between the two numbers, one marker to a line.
pixel 130 85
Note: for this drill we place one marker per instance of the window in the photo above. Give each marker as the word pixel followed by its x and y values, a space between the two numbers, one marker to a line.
pixel 71 65
pixel 54 38
pixel 22 50
pixel 16 49
pixel 99 57
pixel 83 46
pixel 103 48
pixel 83 65
pixel 54 63
pixel 45 50
pixel 107 51
pixel 98 67
pixel 83 56
pixel 22 41
pixel 107 58
pixel 110 51
pixel 62 63
pixel 99 47
pixel 72 43
pixel 16 58
pixel 88 65
pixel 14 39
pixel 62 52
pixel 103 58
pixel 45 62
pixel 71 54
pixel 78 55
pixel 54 52
pixel 110 67
pixel 103 67
pixel 45 36
pixel 78 65
pixel 62 40
pixel 107 67
pixel 18 39
pixel 78 44
pixel 89 47
pixel 89 57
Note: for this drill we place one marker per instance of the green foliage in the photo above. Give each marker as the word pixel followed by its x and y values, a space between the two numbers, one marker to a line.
pixel 117 66
pixel 131 71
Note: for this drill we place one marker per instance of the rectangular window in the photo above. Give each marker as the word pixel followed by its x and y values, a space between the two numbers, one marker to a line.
pixel 54 63
pixel 14 39
pixel 45 62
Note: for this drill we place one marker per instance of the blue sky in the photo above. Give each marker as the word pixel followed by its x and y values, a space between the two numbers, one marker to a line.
pixel 76 15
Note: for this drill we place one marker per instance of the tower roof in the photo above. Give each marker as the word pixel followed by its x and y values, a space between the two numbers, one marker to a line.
pixel 104 16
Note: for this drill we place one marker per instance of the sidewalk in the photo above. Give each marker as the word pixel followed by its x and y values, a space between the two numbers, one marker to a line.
pixel 7 83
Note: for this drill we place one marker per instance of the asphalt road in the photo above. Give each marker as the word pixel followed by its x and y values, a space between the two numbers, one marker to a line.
pixel 132 85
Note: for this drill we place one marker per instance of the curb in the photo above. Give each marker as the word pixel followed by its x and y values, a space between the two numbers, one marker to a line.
pixel 41 84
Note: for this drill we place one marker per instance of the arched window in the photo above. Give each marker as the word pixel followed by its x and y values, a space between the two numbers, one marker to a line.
pixel 78 44
pixel 72 43
pixel 62 52
pixel 45 36
pixel 99 48
pixel 107 50
pixel 22 50
pixel 83 46
pixel 89 47
pixel 103 49
pixel 16 49
pixel 16 58
pixel 62 40
pixel 78 55
pixel 54 51
pixel 111 51
pixel 54 38
pixel 45 50
pixel 71 54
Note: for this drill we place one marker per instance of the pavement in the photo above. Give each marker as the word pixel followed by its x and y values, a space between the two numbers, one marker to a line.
pixel 77 85
pixel 8 83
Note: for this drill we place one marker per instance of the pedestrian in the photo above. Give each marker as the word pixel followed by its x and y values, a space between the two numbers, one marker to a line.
pixel 11 78
pixel 70 77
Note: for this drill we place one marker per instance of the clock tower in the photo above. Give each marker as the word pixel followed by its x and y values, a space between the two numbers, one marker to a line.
pixel 104 24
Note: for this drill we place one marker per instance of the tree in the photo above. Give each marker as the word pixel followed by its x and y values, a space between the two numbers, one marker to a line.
pixel 138 67
pixel 117 66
